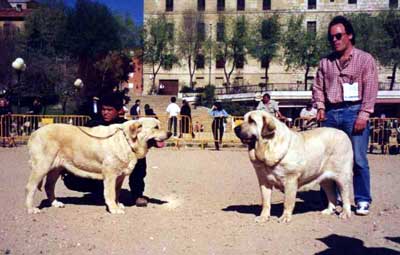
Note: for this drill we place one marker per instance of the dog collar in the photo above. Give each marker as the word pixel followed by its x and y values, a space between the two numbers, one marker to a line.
pixel 127 140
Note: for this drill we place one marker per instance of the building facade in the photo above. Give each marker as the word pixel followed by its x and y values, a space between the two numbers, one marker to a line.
pixel 317 15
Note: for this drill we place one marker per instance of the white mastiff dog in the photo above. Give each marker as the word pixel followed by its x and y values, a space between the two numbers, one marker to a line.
pixel 290 160
pixel 107 153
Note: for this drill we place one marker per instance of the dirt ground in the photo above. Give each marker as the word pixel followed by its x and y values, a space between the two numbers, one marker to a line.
pixel 201 202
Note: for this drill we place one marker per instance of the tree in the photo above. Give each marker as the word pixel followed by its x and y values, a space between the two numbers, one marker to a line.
pixel 93 32
pixel 232 48
pixel 190 40
pixel 158 48
pixel 302 49
pixel 264 41
pixel 390 56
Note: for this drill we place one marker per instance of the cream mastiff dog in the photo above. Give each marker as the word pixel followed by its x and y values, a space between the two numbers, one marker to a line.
pixel 107 153
pixel 290 160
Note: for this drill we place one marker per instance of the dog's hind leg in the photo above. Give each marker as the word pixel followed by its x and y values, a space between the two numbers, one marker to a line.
pixel 330 191
pixel 344 188
pixel 109 194
pixel 51 180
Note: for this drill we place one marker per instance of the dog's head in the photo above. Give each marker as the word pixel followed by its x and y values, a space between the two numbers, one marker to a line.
pixel 145 133
pixel 256 125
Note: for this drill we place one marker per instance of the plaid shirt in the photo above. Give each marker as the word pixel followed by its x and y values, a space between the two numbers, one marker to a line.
pixel 360 67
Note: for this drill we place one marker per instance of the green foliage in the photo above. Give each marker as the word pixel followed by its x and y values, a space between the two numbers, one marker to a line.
pixel 301 48
pixel 264 40
pixel 234 44
pixel 158 46
pixel 206 98
pixel 92 29
pixel 190 41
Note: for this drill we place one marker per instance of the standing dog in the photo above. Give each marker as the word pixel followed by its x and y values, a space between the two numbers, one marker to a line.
pixel 290 160
pixel 107 153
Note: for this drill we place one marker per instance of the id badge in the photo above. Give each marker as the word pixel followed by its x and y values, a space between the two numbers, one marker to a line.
pixel 350 91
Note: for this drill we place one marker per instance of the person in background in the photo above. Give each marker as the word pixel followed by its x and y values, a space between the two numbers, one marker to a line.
pixel 186 119
pixel 36 107
pixel 269 105
pixel 217 126
pixel 111 105
pixel 135 110
pixel 345 91
pixel 149 112
pixel 5 117
pixel 309 117
pixel 173 110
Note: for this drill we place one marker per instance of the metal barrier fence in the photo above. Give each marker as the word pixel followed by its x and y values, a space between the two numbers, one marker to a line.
pixel 18 127
pixel 195 130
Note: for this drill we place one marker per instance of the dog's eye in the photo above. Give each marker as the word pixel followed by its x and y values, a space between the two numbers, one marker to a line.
pixel 251 120
pixel 156 127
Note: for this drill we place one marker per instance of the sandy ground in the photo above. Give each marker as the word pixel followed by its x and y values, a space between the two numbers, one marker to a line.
pixel 202 202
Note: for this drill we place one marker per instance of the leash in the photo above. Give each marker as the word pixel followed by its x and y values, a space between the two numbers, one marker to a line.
pixel 99 137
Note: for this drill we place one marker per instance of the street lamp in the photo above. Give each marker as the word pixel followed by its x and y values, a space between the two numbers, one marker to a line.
pixel 19 66
pixel 209 65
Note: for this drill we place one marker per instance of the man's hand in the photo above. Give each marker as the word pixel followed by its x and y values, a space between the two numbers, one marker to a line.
pixel 360 125
pixel 321 115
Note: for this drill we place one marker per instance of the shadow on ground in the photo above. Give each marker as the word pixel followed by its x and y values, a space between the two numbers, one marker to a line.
pixel 311 202
pixel 98 200
pixel 338 244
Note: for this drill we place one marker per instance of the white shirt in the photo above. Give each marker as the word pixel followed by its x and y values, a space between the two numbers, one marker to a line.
pixel 173 110
pixel 305 113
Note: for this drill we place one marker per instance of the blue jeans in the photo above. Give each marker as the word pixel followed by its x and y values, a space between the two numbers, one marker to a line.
pixel 344 119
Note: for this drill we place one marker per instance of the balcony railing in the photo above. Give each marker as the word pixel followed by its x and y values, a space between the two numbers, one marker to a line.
pixel 238 89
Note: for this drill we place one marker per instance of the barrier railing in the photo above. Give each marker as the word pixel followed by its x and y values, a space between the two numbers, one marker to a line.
pixel 195 130
pixel 18 127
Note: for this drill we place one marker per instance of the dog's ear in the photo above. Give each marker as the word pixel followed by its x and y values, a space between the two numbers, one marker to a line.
pixel 135 129
pixel 268 128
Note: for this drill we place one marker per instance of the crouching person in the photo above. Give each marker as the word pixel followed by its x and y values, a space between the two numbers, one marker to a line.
pixel 111 105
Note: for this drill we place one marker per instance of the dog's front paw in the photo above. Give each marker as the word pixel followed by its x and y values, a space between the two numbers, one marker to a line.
pixel 261 219
pixel 285 218
pixel 345 214
pixel 34 210
pixel 57 204
pixel 327 211
pixel 117 210
pixel 121 206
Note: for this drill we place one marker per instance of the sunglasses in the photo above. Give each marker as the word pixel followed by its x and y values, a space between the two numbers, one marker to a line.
pixel 338 36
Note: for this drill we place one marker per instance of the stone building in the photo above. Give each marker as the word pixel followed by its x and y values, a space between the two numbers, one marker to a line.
pixel 12 15
pixel 317 15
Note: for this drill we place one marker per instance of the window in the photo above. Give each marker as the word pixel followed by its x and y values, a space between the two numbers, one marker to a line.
pixel 9 30
pixel 266 5
pixel 200 61
pixel 220 31
pixel 241 5
pixel 239 61
pixel 201 31
pixel 170 31
pixel 201 5
pixel 220 62
pixel 352 1
pixel 312 27
pixel 221 5
pixel 169 5
pixel 312 4
pixel 393 4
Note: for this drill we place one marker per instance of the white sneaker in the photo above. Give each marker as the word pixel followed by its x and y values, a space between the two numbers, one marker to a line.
pixel 362 208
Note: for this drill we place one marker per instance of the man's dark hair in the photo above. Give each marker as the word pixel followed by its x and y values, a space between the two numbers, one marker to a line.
pixel 137 101
pixel 347 26
pixel 267 95
pixel 173 99
pixel 113 100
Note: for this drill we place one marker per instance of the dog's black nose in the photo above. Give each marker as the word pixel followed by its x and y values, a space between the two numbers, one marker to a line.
pixel 238 129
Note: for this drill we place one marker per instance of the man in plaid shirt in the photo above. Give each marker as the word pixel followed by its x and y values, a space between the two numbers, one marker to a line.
pixel 344 93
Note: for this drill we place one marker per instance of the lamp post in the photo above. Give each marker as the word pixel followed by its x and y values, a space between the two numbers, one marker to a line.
pixel 209 64
pixel 19 66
